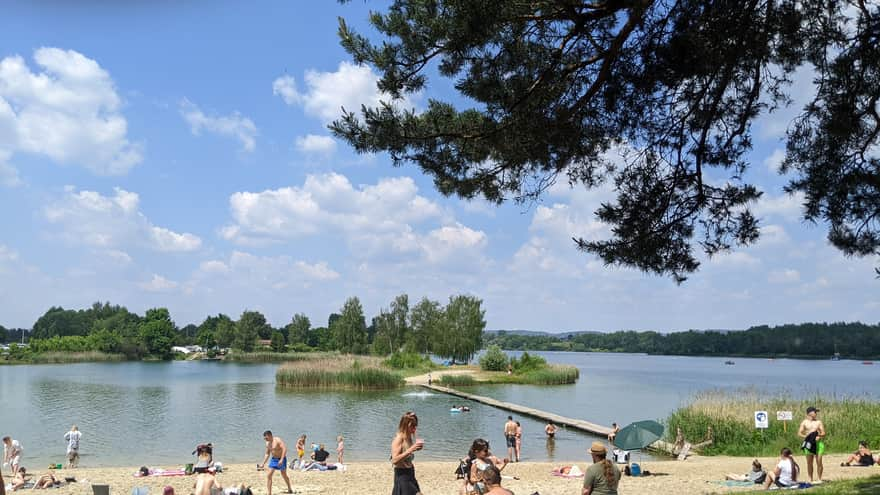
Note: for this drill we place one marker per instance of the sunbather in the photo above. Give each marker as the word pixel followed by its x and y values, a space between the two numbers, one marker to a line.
pixel 206 484
pixel 19 479
pixel 861 457
pixel 756 475
pixel 786 472
pixel 45 481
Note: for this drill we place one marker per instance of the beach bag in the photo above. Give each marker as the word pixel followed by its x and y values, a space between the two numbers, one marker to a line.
pixel 635 470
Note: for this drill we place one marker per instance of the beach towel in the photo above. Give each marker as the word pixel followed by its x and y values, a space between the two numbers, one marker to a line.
pixel 161 472
pixel 733 483
pixel 575 472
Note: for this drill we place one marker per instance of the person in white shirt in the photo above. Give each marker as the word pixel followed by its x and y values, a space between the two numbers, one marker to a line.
pixel 73 436
pixel 786 472
pixel 12 453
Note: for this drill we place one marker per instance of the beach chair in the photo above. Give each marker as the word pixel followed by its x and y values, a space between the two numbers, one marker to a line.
pixel 100 489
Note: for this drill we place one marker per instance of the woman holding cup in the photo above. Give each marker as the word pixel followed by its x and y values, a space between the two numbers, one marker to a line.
pixel 403 449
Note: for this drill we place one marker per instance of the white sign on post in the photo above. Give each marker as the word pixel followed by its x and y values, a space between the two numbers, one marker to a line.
pixel 762 420
pixel 784 416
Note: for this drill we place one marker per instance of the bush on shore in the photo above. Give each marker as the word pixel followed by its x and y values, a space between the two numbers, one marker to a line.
pixel 731 416
pixel 409 361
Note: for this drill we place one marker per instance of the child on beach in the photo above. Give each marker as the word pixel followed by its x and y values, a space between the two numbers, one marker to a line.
pixel 300 449
pixel 340 448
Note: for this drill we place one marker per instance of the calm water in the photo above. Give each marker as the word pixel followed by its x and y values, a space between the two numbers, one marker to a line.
pixel 155 413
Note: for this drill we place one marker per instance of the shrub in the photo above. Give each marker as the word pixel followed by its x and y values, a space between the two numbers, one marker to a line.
pixel 494 359
pixel 527 363
pixel 409 360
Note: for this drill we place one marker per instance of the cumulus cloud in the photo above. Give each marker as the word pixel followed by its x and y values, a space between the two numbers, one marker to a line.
pixel 786 206
pixel 774 161
pixel 327 202
pixel 7 254
pixel 787 276
pixel 268 271
pixel 68 110
pixel 233 125
pixel 327 93
pixel 159 284
pixel 312 143
pixel 92 219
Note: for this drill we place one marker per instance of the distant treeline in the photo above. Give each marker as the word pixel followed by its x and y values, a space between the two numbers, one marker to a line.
pixel 452 331
pixel 819 340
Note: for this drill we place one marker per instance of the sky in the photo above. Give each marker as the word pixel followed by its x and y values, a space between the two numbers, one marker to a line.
pixel 176 154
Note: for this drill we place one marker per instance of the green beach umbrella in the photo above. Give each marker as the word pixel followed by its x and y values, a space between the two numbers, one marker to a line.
pixel 638 435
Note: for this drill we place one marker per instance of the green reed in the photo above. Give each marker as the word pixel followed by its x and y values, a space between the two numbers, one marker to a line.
pixel 342 372
pixel 457 380
pixel 731 416
pixel 74 357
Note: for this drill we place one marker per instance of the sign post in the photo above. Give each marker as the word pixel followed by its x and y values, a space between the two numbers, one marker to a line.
pixel 785 417
pixel 762 420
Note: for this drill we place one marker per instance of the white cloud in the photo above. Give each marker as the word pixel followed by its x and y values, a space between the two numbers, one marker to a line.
pixel 349 87
pixel 232 125
pixel 734 259
pixel 7 254
pixel 774 125
pixel 285 87
pixel 311 143
pixel 774 161
pixel 214 266
pixel 8 174
pixel 327 202
pixel 69 111
pixel 92 219
pixel 773 235
pixel 786 206
pixel 159 284
pixel 453 240
pixel 784 276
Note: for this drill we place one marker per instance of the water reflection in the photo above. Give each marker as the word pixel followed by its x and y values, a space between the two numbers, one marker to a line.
pixel 551 448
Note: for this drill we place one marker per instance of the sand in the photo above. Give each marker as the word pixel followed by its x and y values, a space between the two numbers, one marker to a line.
pixel 695 475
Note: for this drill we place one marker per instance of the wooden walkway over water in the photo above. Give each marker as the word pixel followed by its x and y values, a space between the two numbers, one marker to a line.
pixel 578 424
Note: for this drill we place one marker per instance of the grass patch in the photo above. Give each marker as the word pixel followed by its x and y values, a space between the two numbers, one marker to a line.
pixel 343 372
pixel 869 485
pixel 410 363
pixel 730 414
pixel 552 374
pixel 275 357
pixel 75 357
pixel 457 380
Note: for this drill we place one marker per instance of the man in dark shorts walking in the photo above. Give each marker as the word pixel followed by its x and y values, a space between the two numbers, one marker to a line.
pixel 510 436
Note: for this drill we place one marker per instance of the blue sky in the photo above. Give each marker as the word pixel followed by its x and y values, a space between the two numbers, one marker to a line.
pixel 176 154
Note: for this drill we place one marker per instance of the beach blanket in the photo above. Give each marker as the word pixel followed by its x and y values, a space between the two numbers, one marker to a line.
pixel 162 472
pixel 575 472
pixel 733 483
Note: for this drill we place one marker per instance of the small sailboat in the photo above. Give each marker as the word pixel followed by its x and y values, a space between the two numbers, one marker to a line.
pixel 729 362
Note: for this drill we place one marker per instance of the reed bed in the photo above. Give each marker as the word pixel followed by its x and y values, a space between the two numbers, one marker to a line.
pixel 343 372
pixel 731 416
pixel 275 357
pixel 457 380
pixel 552 374
pixel 74 357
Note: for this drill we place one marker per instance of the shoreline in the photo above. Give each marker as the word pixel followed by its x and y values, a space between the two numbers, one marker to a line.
pixel 696 475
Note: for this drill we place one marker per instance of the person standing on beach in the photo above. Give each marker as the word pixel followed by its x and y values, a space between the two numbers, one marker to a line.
pixel 300 449
pixel 510 437
pixel 73 436
pixel 518 440
pixel 403 451
pixel 276 454
pixel 602 477
pixel 12 453
pixel 340 448
pixel 813 432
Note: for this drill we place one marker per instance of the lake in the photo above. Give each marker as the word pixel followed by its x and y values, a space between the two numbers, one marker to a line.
pixel 138 413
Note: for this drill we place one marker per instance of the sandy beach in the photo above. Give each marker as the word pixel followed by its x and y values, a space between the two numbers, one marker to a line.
pixel 696 475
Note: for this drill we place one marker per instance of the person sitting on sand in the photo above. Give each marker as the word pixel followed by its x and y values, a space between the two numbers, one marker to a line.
pixel 45 481
pixel 756 475
pixel 206 484
pixel 480 458
pixel 786 472
pixel 861 457
pixel 602 477
pixel 492 482
pixel 19 479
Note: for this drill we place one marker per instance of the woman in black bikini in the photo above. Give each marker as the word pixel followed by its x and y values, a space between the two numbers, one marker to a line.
pixel 403 449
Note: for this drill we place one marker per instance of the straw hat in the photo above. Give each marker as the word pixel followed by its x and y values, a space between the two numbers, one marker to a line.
pixel 598 448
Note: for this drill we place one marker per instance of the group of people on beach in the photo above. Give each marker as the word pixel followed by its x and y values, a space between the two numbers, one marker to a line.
pixel 276 458
pixel 12 452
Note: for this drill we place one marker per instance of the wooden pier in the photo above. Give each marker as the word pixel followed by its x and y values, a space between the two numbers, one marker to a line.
pixel 577 424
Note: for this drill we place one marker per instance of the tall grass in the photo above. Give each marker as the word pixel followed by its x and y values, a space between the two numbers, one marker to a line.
pixel 457 380
pixel 74 357
pixel 343 372
pixel 273 357
pixel 552 374
pixel 731 416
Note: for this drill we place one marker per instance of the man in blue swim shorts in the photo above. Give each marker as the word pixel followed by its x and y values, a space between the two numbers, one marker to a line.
pixel 276 455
